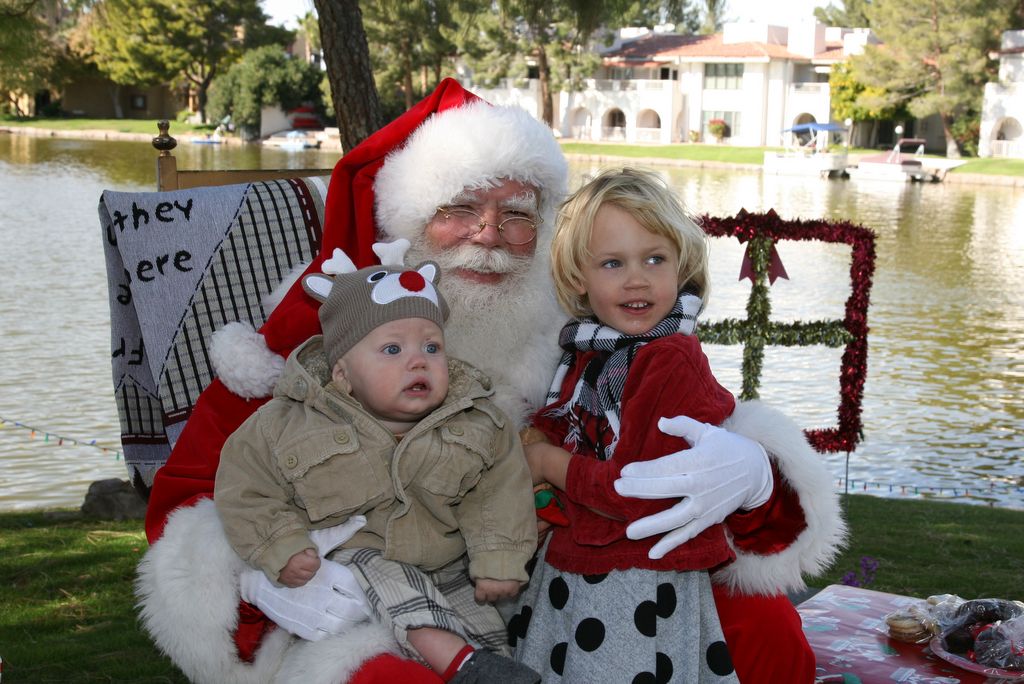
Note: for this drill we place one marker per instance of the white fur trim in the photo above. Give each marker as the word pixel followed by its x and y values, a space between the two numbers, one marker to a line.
pixel 334 661
pixel 275 296
pixel 187 587
pixel 818 544
pixel 243 361
pixel 467 147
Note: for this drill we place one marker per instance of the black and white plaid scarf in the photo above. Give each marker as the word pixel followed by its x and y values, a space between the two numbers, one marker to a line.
pixel 599 389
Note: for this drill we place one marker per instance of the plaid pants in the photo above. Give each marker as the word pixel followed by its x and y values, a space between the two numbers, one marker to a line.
pixel 403 597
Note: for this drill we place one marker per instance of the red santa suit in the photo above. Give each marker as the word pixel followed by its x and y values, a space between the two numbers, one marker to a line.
pixel 389 187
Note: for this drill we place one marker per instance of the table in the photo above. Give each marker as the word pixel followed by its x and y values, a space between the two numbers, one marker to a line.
pixel 846 629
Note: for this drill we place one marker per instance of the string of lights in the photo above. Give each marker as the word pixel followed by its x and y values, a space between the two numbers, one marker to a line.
pixel 48 435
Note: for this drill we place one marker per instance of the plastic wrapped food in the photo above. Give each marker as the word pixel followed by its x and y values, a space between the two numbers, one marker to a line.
pixel 1001 645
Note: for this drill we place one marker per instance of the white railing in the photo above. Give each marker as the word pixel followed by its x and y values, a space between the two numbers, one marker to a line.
pixel 581 131
pixel 813 87
pixel 607 84
pixel 1012 149
pixel 613 133
pixel 648 135
pixel 654 85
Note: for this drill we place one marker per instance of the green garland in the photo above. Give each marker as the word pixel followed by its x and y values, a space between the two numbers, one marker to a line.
pixel 757 330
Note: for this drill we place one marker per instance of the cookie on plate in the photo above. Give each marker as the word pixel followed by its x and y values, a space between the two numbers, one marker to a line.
pixel 908 626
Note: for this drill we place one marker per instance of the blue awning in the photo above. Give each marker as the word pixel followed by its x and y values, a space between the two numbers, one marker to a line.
pixel 814 127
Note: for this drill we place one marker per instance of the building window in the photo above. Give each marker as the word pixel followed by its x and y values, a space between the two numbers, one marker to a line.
pixel 667 74
pixel 723 76
pixel 731 119
pixel 620 73
pixel 138 101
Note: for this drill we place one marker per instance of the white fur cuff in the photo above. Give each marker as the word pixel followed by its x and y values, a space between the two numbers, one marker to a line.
pixel 243 362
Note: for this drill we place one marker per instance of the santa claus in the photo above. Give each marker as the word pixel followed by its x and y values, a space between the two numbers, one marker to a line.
pixel 453 149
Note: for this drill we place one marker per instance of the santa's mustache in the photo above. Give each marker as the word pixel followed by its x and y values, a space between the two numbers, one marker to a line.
pixel 481 260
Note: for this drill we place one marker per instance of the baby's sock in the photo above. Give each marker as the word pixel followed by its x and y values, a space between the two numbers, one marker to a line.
pixel 464 654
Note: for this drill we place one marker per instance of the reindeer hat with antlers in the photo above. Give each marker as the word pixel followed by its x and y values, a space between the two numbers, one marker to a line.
pixel 354 302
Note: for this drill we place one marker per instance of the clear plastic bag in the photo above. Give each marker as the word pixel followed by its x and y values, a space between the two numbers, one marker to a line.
pixel 1001 645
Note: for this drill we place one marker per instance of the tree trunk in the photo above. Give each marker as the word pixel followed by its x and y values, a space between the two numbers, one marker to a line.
pixel 115 95
pixel 407 78
pixel 356 103
pixel 202 94
pixel 952 149
pixel 546 105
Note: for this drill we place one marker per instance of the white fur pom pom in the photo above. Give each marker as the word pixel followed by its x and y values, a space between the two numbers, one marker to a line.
pixel 243 362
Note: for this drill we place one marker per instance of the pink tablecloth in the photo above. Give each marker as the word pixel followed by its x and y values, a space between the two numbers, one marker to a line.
pixel 846 628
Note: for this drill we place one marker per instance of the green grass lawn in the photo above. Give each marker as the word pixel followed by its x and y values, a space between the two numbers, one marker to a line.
pixel 995 167
pixel 755 155
pixel 692 152
pixel 147 126
pixel 68 612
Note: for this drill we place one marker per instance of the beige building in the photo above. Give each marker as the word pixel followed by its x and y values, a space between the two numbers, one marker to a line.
pixel 758 78
pixel 100 98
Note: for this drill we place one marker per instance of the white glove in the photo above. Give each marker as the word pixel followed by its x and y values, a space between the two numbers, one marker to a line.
pixel 330 538
pixel 721 473
pixel 330 603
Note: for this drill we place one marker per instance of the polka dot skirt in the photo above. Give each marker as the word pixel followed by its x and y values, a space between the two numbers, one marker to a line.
pixel 630 626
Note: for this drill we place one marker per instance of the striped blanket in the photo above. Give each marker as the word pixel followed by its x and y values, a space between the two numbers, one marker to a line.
pixel 181 265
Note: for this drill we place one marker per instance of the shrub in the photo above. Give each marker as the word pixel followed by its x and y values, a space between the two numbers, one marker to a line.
pixel 718 128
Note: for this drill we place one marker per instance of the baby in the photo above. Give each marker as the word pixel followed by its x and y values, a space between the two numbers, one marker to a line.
pixel 372 419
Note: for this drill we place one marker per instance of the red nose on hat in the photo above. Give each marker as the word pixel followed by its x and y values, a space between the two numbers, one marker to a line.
pixel 412 281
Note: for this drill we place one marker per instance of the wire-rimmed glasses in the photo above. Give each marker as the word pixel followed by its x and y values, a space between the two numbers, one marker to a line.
pixel 515 230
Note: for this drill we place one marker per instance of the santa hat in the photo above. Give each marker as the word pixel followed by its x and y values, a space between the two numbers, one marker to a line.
pixel 470 147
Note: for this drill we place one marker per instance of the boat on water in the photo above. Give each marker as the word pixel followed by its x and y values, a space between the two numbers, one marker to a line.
pixel 293 139
pixel 905 162
pixel 812 157
pixel 208 140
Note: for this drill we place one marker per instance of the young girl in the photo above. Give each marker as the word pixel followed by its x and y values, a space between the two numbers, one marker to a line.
pixel 631 267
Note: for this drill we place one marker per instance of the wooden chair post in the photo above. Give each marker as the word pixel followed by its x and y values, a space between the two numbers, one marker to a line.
pixel 166 164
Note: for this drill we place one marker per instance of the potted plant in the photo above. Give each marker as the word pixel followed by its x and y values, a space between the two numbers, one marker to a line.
pixel 718 128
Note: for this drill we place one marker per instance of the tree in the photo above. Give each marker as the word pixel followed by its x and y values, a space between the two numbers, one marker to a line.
pixel 139 42
pixel 852 100
pixel 264 77
pixel 714 14
pixel 934 58
pixel 556 28
pixel 347 56
pixel 408 39
pixel 684 16
pixel 852 13
pixel 28 52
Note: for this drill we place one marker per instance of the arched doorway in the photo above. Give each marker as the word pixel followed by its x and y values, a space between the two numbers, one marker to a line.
pixel 648 126
pixel 580 126
pixel 1008 138
pixel 613 125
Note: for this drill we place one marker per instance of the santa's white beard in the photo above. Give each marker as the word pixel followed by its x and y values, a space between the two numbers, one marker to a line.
pixel 509 329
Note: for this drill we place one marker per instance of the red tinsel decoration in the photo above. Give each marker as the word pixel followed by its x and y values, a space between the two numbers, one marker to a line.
pixel 746 226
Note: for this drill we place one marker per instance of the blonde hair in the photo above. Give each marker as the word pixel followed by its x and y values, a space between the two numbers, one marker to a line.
pixel 650 201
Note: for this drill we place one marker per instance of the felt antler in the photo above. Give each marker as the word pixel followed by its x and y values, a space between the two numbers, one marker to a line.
pixel 338 263
pixel 392 253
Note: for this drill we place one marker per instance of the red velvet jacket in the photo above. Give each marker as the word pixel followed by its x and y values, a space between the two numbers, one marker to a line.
pixel 669 376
